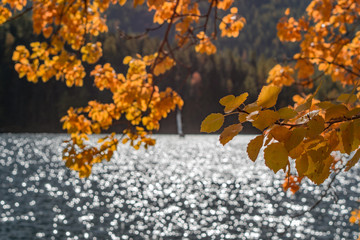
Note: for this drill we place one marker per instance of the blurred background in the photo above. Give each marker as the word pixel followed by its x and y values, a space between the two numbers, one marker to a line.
pixel 240 65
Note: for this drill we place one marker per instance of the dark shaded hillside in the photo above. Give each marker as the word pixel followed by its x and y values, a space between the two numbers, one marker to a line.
pixel 240 65
pixel 258 35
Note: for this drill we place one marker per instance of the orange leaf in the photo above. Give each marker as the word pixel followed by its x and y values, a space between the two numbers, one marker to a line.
pixel 254 147
pixel 229 133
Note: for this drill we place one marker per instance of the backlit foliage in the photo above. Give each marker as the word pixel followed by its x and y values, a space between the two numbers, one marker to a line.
pixel 70 29
pixel 310 132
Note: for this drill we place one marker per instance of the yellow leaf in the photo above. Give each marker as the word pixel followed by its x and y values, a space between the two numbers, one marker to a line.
pixel 353 160
pixel 269 138
pixel 252 107
pixel 287 11
pixel 254 147
pixel 304 106
pixel 265 119
pixel 347 98
pixel 336 111
pixel 127 59
pixel 280 133
pixel 276 156
pixel 319 170
pixel 353 112
pixel 85 171
pixel 302 164
pixel 353 219
pixel 229 133
pixel 357 128
pixel 347 136
pixel 297 135
pixel 138 3
pixel 315 126
pixel 212 123
pixel 268 96
pixel 226 100
pixel 235 103
pixel 287 113
pixel 296 151
pixel 314 143
pixel 333 140
pixel 325 105
pixel 242 117
pixel 122 2
pixel 305 68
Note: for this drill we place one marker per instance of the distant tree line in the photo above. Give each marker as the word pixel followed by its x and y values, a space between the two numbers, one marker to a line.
pixel 25 107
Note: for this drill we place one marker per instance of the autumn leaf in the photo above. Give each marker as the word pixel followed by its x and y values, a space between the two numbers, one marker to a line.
pixel 347 136
pixel 325 105
pixel 212 123
pixel 302 164
pixel 296 137
pixel 335 112
pixel 234 103
pixel 354 160
pixel 254 147
pixel 305 106
pixel 280 133
pixel 265 119
pixel 276 156
pixel 297 151
pixel 226 100
pixel 127 60
pixel 305 69
pixel 347 98
pixel 229 133
pixel 268 96
pixel 315 126
pixel 242 117
pixel 319 171
pixel 287 113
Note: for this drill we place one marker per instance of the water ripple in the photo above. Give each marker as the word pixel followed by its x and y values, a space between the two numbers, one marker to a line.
pixel 191 188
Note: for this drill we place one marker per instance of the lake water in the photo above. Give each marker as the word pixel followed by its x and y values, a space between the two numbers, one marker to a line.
pixel 184 188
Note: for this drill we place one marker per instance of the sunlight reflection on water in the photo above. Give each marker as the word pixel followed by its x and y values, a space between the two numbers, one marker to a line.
pixel 184 188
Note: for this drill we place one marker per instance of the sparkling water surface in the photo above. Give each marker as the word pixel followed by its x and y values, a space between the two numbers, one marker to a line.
pixel 183 188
